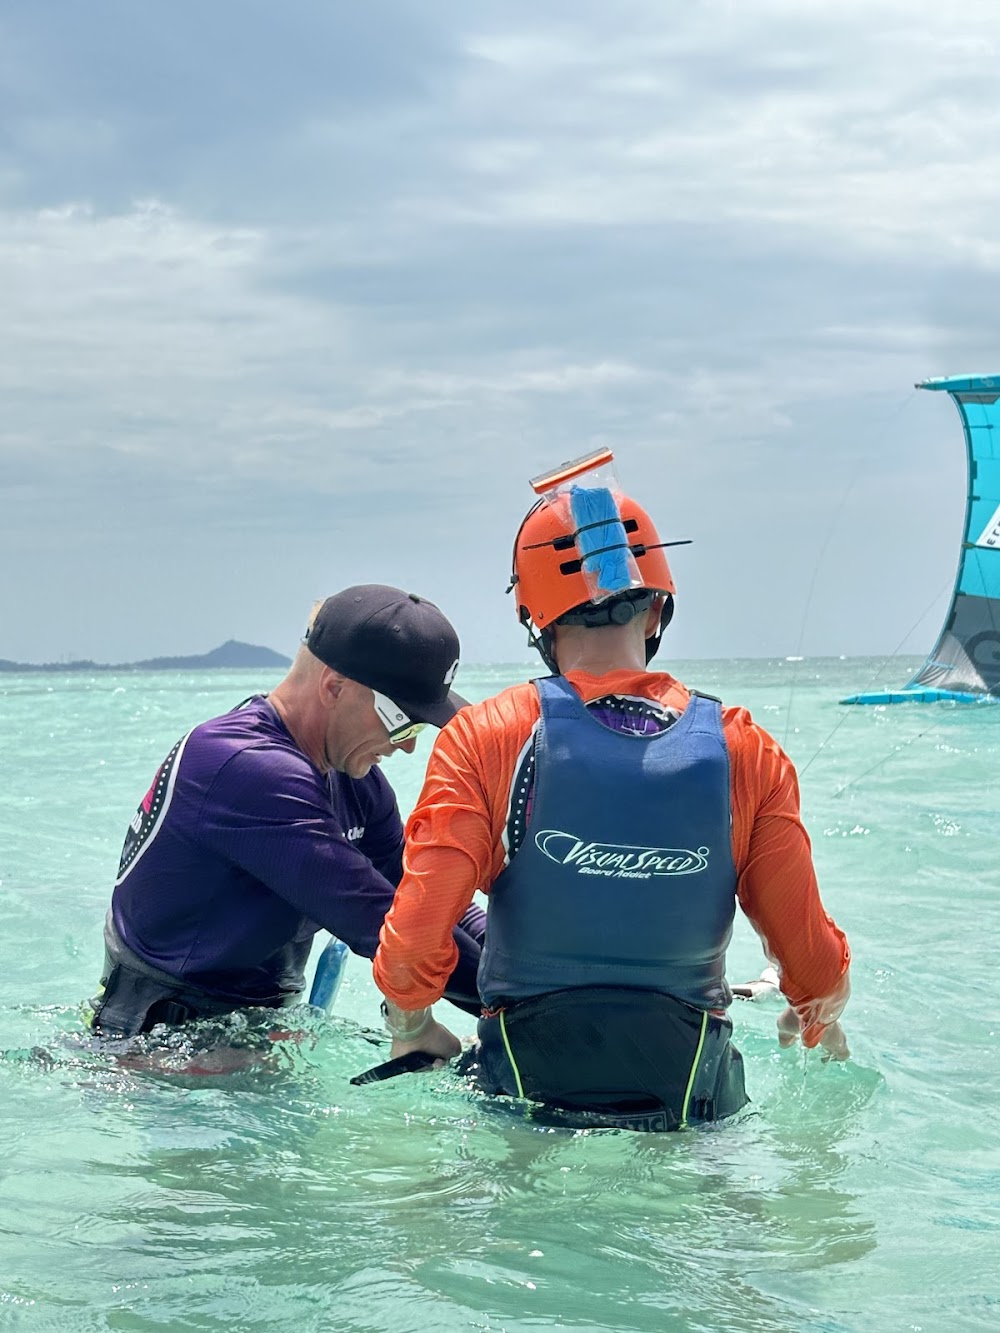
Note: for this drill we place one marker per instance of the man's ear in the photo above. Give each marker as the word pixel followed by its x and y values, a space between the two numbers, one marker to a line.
pixel 331 685
pixel 653 615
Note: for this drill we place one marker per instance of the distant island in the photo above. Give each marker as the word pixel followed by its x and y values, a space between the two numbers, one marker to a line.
pixel 229 656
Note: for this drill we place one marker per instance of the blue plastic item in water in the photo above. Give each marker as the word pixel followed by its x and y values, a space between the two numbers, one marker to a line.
pixel 599 526
pixel 329 974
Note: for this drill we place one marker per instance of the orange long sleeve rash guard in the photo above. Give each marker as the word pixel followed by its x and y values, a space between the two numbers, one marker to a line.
pixel 455 844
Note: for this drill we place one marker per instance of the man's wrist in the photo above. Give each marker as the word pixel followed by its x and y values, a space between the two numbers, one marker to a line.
pixel 405 1024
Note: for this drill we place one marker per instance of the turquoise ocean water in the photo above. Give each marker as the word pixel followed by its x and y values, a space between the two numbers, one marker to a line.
pixel 850 1197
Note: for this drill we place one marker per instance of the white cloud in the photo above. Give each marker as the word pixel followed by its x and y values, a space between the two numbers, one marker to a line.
pixel 555 379
pixel 352 317
pixel 851 122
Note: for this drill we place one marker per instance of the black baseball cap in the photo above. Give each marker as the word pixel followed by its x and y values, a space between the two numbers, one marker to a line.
pixel 394 642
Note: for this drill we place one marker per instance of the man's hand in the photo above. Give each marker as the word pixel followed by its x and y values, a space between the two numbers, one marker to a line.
pixel 767 983
pixel 435 1039
pixel 832 1039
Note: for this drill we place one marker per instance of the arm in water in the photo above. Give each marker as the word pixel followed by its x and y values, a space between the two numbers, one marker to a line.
pixel 780 896
pixel 417 941
pixel 831 1037
pixel 418 1030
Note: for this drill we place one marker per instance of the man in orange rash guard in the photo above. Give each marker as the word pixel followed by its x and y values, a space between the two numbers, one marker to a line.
pixel 615 818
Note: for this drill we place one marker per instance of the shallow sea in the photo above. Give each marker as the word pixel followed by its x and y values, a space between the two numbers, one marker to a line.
pixel 849 1197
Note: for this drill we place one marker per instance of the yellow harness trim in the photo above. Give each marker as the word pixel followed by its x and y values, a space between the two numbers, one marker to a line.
pixel 510 1056
pixel 694 1068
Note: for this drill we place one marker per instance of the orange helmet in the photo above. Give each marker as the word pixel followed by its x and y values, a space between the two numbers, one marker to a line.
pixel 548 578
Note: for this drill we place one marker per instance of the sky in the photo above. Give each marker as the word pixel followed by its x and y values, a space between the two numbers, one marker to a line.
pixel 298 296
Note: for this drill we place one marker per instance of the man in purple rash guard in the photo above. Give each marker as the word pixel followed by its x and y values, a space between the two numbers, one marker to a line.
pixel 273 821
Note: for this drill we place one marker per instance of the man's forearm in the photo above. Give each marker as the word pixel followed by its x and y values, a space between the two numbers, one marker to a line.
pixel 413 977
pixel 822 1011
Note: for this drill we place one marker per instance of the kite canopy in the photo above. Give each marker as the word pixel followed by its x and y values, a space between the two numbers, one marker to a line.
pixel 964 664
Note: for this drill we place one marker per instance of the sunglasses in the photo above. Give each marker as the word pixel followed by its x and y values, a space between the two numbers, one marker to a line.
pixel 397 724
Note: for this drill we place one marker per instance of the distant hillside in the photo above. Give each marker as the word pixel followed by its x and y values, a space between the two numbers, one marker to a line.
pixel 229 656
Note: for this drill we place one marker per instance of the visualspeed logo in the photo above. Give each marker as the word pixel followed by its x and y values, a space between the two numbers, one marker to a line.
pixel 617 860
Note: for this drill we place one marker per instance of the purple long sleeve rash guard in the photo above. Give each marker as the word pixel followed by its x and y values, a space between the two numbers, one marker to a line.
pixel 242 849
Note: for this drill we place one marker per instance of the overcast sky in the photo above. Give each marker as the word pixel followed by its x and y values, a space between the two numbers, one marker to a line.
pixel 299 295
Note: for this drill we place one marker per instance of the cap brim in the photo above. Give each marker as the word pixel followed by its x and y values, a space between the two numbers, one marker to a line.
pixel 436 714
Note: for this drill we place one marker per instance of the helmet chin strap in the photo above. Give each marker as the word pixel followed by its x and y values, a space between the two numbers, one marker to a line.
pixel 542 642
pixel 546 645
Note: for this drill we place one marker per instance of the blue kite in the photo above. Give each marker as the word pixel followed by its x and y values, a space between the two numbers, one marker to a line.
pixel 964 665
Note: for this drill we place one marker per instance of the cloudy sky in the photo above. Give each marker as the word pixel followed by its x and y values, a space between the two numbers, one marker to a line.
pixel 295 296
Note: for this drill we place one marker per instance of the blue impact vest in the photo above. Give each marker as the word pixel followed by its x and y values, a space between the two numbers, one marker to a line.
pixel 625 877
